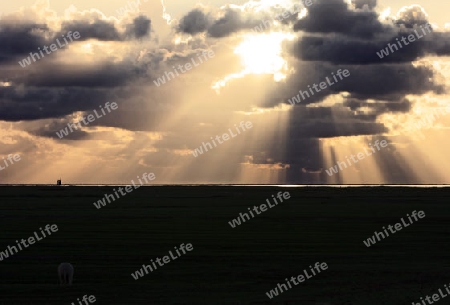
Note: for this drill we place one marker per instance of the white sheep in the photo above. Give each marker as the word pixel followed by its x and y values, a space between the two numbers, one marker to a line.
pixel 65 272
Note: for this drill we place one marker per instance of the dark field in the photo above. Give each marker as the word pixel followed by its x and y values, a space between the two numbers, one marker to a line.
pixel 226 266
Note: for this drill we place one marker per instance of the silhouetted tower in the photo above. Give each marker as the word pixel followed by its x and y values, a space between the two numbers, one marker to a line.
pixel 58 182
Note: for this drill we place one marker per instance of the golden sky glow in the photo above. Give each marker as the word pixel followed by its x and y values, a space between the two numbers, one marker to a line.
pixel 401 98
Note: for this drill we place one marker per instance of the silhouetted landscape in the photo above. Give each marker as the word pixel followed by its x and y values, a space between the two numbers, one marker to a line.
pixel 226 265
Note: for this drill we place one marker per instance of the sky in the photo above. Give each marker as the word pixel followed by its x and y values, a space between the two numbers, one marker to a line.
pixel 209 91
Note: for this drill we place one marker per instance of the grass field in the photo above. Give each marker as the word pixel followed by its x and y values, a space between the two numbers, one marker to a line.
pixel 226 266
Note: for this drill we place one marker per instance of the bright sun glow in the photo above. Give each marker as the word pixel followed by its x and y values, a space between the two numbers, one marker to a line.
pixel 384 15
pixel 260 54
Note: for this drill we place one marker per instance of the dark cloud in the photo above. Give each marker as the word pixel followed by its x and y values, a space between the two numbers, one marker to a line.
pixel 439 44
pixel 390 46
pixel 99 29
pixel 81 75
pixel 322 18
pixel 140 28
pixel 32 103
pixel 50 131
pixel 359 4
pixel 384 82
pixel 337 129
pixel 107 30
pixel 233 21
pixel 18 39
pixel 196 21
pixel 51 88
pixel 387 78
pixel 326 122
pixel 390 82
pixel 378 107
pixel 346 50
